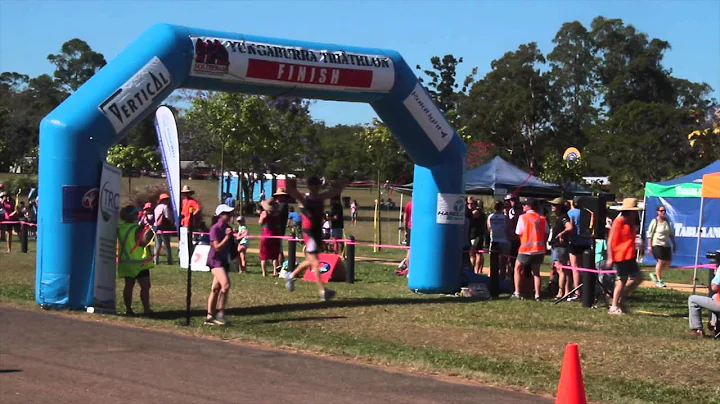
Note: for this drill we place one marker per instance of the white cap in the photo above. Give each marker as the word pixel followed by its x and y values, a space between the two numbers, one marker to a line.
pixel 223 209
pixel 2 194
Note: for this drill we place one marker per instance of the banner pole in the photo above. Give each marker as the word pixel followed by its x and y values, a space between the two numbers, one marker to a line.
pixel 697 246
pixel 640 252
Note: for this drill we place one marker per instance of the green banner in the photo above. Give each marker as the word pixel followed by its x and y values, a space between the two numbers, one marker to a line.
pixel 689 190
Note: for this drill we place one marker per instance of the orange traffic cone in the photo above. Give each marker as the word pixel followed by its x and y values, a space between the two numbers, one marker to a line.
pixel 571 389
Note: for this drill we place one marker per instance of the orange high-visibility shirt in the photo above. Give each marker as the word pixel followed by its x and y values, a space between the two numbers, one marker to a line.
pixel 534 236
pixel 623 240
pixel 189 207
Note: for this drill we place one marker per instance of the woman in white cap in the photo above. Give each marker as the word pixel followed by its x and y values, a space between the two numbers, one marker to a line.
pixel 622 253
pixel 218 259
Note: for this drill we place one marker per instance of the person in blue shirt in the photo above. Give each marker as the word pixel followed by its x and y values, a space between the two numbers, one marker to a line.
pixel 696 303
pixel 229 200
pixel 294 220
pixel 578 245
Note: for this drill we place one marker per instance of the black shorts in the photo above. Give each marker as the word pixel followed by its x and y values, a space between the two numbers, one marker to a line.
pixel 627 269
pixel 662 253
pixel 145 273
pixel 514 247
pixel 533 260
pixel 11 227
pixel 576 249
pixel 477 243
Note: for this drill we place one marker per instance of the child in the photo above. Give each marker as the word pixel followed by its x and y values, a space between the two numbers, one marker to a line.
pixel 243 243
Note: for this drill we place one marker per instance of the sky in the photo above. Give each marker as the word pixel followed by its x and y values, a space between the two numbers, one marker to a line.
pixel 479 31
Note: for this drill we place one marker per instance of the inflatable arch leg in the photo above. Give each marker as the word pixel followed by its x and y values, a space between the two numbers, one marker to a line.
pixel 75 137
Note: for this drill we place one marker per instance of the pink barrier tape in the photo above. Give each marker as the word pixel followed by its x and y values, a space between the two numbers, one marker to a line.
pixel 21 223
pixel 710 266
pixel 597 271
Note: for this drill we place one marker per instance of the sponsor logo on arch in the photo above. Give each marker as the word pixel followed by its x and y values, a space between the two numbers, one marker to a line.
pixel 290 66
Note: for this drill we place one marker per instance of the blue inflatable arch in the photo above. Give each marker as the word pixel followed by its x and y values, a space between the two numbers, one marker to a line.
pixel 75 137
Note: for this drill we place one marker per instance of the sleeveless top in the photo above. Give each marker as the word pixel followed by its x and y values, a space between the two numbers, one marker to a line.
pixel 498 228
pixel 313 213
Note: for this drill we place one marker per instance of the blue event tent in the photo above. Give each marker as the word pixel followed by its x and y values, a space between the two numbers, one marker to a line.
pixel 683 203
pixel 498 177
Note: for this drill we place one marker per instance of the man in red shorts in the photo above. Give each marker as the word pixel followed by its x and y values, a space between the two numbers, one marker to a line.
pixel 313 213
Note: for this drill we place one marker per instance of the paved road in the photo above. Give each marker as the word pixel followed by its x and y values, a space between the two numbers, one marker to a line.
pixel 51 358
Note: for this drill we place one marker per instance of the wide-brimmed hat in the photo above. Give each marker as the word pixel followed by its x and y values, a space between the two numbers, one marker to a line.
pixel 557 201
pixel 162 197
pixel 629 204
pixel 223 208
pixel 280 191
pixel 270 205
pixel 186 190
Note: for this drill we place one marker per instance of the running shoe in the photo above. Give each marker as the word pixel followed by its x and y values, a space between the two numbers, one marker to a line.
pixel 219 320
pixel 537 298
pixel 327 295
pixel 516 296
pixel 653 277
pixel 289 282
pixel 660 284
pixel 573 298
pixel 615 310
pixel 209 321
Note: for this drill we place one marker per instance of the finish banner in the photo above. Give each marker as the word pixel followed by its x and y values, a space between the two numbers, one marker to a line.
pixel 106 239
pixel 169 146
pixel 290 66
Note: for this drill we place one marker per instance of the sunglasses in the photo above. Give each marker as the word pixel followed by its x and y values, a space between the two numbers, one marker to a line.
pixel 661 210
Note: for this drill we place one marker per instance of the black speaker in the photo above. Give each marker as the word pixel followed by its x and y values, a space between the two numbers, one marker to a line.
pixel 593 213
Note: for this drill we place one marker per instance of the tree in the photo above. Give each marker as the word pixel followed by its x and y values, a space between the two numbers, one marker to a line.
pixel 572 62
pixel 630 66
pixel 382 149
pixel 444 89
pixel 706 139
pixel 75 64
pixel 131 160
pixel 562 172
pixel 644 142
pixel 511 106
pixel 249 133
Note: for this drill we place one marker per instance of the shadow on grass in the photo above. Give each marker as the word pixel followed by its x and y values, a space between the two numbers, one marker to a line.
pixel 295 307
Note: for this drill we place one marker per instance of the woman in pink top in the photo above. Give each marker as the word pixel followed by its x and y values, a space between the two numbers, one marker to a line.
pixel 10 215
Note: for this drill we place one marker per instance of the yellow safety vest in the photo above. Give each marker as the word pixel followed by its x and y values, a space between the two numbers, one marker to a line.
pixel 131 260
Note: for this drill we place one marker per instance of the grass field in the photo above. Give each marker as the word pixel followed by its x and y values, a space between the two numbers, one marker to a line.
pixel 643 357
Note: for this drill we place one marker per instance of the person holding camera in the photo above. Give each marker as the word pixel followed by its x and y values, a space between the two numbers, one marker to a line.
pixel 696 303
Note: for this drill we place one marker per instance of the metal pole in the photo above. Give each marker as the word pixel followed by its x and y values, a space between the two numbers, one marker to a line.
pixel 23 237
pixel 350 261
pixel 697 246
pixel 188 291
pixel 494 270
pixel 589 279
pixel 400 223
pixel 292 254
pixel 642 231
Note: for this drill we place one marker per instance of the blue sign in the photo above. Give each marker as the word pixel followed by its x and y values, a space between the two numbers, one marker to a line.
pixel 79 203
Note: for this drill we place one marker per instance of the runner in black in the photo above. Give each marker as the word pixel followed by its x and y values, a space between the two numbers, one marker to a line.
pixel 313 210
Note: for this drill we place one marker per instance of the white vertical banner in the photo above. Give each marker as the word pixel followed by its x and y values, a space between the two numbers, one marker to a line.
pixel 184 250
pixel 106 239
pixel 167 133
